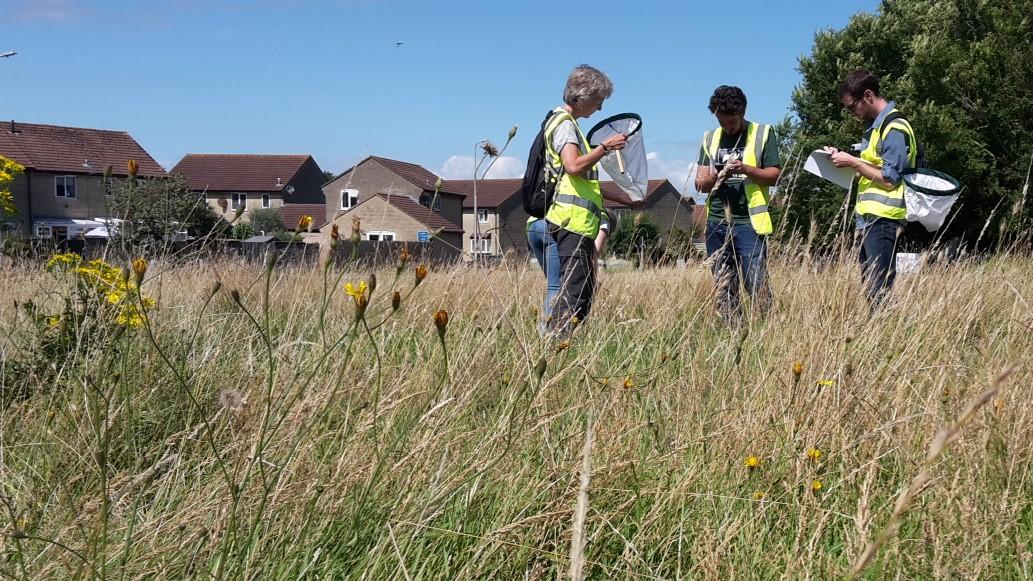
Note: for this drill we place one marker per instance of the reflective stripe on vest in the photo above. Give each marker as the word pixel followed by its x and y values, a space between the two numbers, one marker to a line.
pixel 578 202
pixel 756 195
pixel 873 199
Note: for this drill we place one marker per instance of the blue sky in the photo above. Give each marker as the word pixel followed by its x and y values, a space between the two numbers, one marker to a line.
pixel 326 77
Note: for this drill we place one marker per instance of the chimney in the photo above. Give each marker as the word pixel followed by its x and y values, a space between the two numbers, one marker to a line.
pixel 14 128
pixel 278 184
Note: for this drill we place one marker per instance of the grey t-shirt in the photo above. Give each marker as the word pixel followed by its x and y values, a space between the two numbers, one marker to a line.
pixel 566 133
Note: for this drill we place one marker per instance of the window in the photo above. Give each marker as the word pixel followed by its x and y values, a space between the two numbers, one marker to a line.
pixel 64 186
pixel 482 216
pixel 349 199
pixel 431 200
pixel 380 236
pixel 238 201
pixel 265 201
pixel 43 231
pixel 483 248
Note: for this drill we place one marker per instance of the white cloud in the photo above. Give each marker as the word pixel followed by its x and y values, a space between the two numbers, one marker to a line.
pixel 678 171
pixel 460 167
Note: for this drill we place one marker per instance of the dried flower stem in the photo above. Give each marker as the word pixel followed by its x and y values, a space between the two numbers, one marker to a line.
pixel 940 442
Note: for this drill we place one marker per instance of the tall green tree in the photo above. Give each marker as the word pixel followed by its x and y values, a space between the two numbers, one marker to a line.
pixel 959 70
pixel 156 210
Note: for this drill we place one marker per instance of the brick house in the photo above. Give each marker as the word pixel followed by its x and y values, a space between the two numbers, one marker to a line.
pixel 394 218
pixel 397 179
pixel 503 222
pixel 61 194
pixel 250 182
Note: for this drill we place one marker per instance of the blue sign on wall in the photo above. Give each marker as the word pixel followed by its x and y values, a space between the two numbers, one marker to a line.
pixel 423 236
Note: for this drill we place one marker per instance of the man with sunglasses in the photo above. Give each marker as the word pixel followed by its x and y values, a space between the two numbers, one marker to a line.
pixel 887 148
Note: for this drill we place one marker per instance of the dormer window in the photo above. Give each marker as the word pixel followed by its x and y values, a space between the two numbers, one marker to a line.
pixel 349 199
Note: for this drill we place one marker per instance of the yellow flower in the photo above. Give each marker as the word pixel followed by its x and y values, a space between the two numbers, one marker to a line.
pixel 759 495
pixel 63 261
pixel 404 256
pixel 797 369
pixel 54 320
pixel 139 269
pixel 133 166
pixel 826 382
pixel 752 462
pixel 305 222
pixel 563 346
pixel 441 321
pixel 628 383
pixel 114 297
pixel 356 291
pixel 421 273
pixel 816 485
pixel 814 454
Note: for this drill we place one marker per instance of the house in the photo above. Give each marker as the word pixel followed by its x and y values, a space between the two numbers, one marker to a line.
pixel 663 204
pixel 61 194
pixel 232 182
pixel 395 218
pixel 501 223
pixel 396 179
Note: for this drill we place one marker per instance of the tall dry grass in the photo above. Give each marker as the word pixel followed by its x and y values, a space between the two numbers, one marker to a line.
pixel 252 440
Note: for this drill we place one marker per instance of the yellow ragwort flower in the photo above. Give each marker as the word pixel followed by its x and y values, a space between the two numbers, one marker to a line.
pixel 759 495
pixel 816 485
pixel 814 454
pixel 752 462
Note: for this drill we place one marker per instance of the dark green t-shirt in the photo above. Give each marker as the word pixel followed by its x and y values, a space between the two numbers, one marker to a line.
pixel 733 191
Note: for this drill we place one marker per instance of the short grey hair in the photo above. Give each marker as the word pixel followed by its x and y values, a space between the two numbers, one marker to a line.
pixel 587 83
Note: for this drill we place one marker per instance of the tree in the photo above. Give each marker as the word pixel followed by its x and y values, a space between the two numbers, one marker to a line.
pixel 267 220
pixel 958 70
pixel 635 236
pixel 155 210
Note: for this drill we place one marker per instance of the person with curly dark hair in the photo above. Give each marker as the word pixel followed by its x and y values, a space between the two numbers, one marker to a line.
pixel 738 163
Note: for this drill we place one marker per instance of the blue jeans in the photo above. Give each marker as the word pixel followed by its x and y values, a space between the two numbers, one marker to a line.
pixel 544 248
pixel 878 259
pixel 740 258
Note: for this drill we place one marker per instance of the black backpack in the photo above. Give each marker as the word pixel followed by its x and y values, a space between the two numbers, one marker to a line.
pixel 920 160
pixel 540 178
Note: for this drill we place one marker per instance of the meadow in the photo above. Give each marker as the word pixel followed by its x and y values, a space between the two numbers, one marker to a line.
pixel 265 423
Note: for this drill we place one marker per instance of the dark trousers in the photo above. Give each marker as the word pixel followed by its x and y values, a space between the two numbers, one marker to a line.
pixel 879 259
pixel 740 257
pixel 577 280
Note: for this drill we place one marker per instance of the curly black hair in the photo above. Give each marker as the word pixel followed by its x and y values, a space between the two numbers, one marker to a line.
pixel 728 100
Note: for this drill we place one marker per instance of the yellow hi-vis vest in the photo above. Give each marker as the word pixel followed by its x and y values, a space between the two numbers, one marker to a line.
pixel 756 195
pixel 873 199
pixel 578 202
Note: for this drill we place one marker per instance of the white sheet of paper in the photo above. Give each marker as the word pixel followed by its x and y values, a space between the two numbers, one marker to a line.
pixel 820 164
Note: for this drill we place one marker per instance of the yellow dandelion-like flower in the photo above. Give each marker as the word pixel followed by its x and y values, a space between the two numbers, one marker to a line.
pixel 305 222
pixel 797 369
pixel 816 485
pixel 759 495
pixel 628 383
pixel 826 382
pixel 115 297
pixel 563 346
pixel 421 273
pixel 53 320
pixel 356 291
pixel 139 269
pixel 752 462
pixel 814 454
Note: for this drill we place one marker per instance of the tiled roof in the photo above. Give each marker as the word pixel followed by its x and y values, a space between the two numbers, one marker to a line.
pixel 611 187
pixel 490 193
pixel 292 213
pixel 53 148
pixel 238 173
pixel 415 174
pixel 421 214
